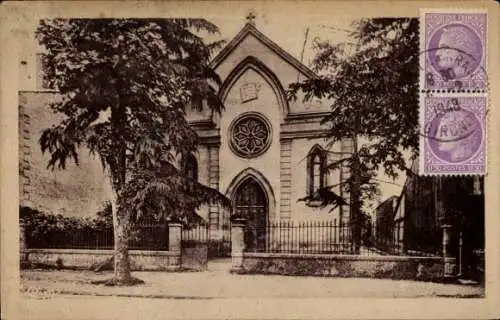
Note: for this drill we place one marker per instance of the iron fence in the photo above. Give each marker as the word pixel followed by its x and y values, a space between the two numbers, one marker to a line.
pixel 150 237
pixel 333 237
pixel 396 240
pixel 72 239
pixel 143 237
pixel 326 237
pixel 195 234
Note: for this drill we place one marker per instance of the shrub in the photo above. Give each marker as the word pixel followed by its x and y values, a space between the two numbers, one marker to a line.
pixel 46 230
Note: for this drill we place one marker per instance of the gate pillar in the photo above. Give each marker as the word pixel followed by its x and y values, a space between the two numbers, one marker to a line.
pixel 174 244
pixel 237 244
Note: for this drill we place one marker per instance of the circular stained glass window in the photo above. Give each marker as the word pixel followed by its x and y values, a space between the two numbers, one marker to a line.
pixel 250 135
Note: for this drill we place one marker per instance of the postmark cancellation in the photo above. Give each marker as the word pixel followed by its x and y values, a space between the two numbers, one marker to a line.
pixel 454 137
pixel 453 48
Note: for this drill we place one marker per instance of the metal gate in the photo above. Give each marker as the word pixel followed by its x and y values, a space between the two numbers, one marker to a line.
pixel 194 247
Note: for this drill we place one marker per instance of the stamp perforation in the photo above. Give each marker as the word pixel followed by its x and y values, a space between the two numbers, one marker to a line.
pixel 439 30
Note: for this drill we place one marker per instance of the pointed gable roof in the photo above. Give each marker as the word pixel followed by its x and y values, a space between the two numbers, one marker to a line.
pixel 249 28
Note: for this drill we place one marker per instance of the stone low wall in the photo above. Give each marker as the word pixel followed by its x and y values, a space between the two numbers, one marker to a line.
pixel 87 259
pixel 393 267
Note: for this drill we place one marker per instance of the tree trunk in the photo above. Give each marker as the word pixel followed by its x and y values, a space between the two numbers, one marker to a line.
pixel 122 264
pixel 356 194
pixel 121 227
pixel 356 183
pixel 121 218
pixel 121 230
pixel 356 213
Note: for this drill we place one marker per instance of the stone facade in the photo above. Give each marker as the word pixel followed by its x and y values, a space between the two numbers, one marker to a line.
pixel 24 154
pixel 255 74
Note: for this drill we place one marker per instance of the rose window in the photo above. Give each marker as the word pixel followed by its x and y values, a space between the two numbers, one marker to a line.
pixel 250 135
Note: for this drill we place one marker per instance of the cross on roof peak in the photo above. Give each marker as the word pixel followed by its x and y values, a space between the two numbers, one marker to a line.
pixel 251 18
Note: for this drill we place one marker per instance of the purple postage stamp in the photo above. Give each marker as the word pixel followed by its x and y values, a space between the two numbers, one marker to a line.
pixel 453 51
pixel 454 139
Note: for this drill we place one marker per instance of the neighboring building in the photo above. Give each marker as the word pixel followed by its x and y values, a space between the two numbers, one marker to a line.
pixel 384 222
pixel 428 203
pixel 416 214
pixel 75 191
pixel 263 151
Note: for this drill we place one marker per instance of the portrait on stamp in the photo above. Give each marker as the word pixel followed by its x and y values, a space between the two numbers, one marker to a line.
pixel 455 51
pixel 455 136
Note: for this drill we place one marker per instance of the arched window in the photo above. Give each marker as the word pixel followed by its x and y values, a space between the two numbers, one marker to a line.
pixel 316 170
pixel 190 166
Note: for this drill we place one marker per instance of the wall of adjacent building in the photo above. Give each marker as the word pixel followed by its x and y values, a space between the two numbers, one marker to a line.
pixel 75 191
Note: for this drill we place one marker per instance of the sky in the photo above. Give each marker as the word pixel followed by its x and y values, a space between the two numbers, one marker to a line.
pixel 289 35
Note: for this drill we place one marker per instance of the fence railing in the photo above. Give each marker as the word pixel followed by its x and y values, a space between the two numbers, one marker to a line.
pixel 198 234
pixel 328 237
pixel 150 237
pixel 143 237
pixel 72 239
pixel 393 240
pixel 333 237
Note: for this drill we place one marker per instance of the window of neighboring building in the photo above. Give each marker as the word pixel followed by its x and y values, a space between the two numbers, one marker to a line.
pixel 190 167
pixel 316 170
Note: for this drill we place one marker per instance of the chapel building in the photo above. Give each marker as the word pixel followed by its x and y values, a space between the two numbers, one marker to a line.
pixel 264 152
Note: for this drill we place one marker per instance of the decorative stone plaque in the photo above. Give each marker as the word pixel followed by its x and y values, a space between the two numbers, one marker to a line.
pixel 249 91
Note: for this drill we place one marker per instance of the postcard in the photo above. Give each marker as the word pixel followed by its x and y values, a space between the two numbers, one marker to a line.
pixel 260 159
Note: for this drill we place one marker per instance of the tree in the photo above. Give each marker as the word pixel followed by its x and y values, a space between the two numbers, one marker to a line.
pixel 124 87
pixel 374 89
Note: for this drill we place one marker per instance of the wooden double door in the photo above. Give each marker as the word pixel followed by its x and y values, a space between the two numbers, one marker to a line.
pixel 251 203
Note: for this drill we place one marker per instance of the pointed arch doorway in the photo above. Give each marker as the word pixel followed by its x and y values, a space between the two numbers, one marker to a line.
pixel 250 201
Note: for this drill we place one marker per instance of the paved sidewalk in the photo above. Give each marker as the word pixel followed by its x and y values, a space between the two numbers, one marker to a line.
pixel 123 308
pixel 218 283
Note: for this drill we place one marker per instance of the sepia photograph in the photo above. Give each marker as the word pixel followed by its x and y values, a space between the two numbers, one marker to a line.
pixel 250 156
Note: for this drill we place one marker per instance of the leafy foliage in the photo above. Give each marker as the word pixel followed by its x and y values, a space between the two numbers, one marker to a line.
pixel 48 230
pixel 141 74
pixel 154 190
pixel 125 86
pixel 374 94
pixel 43 222
pixel 43 230
pixel 325 197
